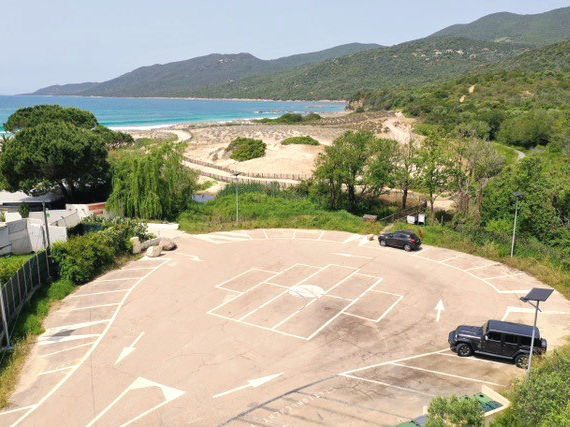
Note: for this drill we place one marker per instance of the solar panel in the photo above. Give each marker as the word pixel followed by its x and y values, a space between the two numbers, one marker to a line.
pixel 538 294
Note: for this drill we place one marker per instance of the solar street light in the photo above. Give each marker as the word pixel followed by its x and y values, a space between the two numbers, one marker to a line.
pixel 535 295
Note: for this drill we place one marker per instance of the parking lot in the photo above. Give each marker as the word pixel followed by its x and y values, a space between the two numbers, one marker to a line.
pixel 272 327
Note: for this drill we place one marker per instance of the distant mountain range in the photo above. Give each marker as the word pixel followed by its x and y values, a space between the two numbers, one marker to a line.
pixel 339 72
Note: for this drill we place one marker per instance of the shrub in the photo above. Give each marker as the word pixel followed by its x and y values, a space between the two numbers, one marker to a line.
pixel 246 149
pixel 9 266
pixel 306 140
pixel 454 412
pixel 24 210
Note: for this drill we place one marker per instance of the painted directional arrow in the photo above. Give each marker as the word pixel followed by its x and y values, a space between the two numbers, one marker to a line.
pixel 353 256
pixel 250 383
pixel 169 394
pixel 128 350
pixel 192 257
pixel 439 307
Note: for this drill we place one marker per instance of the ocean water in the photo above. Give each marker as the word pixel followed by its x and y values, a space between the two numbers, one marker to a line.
pixel 128 113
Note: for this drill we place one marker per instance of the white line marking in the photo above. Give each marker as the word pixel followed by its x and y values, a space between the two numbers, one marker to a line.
pixel 169 394
pixel 259 326
pixel 56 339
pixel 503 276
pixel 471 359
pixel 511 309
pixel 390 309
pixel 255 310
pixel 114 280
pixel 266 236
pixel 250 383
pixel 90 351
pixel 449 259
pixel 387 385
pixel 446 374
pixel 192 257
pixel 364 241
pixel 99 293
pixel 135 269
pixel 128 350
pixel 439 307
pixel 354 273
pixel 16 410
pixel 274 328
pixel 57 329
pixel 67 349
pixel 88 307
pixel 482 266
pixel 364 368
pixel 55 370
pixel 351 238
pixel 353 256
pixel 294 234
pixel 321 235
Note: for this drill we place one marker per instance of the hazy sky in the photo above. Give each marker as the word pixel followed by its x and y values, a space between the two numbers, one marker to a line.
pixel 45 42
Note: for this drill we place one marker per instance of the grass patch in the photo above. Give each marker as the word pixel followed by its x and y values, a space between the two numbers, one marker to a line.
pixel 291 118
pixel 304 140
pixel 242 149
pixel 510 154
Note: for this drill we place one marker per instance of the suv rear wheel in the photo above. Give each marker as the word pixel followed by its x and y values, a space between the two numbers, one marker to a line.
pixel 407 248
pixel 464 350
pixel 522 361
pixel 382 242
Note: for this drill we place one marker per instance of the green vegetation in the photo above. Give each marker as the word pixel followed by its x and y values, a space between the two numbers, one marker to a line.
pixel 32 116
pixel 10 265
pixel 454 412
pixel 291 118
pixel 181 77
pixel 242 149
pixel 24 210
pixel 404 65
pixel 539 29
pixel 155 185
pixel 267 207
pixel 305 140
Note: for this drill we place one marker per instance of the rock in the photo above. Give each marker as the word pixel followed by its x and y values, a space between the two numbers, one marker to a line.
pixel 136 245
pixel 370 237
pixel 167 245
pixel 153 251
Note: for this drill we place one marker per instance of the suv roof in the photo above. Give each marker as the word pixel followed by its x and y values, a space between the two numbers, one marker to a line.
pixel 512 328
pixel 407 233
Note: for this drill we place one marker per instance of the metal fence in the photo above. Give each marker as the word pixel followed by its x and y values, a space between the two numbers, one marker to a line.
pixel 19 289
pixel 263 175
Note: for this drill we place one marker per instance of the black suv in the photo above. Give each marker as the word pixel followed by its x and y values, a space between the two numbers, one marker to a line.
pixel 400 239
pixel 496 338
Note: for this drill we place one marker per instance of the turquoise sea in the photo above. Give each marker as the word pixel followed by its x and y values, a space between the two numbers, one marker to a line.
pixel 154 112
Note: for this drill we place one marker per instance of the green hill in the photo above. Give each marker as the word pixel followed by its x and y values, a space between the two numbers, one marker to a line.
pixel 413 63
pixel 536 80
pixel 175 78
pixel 538 30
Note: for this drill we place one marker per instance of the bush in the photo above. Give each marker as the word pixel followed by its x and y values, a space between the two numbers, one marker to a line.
pixel 291 118
pixel 9 266
pixel 306 140
pixel 454 412
pixel 24 210
pixel 243 149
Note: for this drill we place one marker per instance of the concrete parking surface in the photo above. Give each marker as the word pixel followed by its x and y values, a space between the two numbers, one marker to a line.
pixel 272 327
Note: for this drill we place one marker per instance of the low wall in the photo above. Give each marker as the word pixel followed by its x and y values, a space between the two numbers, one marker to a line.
pixel 28 235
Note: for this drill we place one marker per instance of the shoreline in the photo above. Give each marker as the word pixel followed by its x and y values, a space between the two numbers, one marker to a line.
pixel 335 101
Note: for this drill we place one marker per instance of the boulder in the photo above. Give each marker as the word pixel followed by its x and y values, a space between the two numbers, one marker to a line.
pixel 136 245
pixel 153 251
pixel 370 237
pixel 167 245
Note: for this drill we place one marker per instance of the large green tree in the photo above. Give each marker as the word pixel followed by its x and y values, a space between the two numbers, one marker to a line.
pixel 152 186
pixel 357 162
pixel 32 116
pixel 51 156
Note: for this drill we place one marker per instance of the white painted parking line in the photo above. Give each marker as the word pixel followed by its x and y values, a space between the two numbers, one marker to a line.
pixel 353 237
pixel 57 339
pixel 446 374
pixel 114 280
pixel 97 293
pixel 56 329
pixel 443 261
pixel 255 310
pixel 67 349
pixel 482 266
pixel 11 411
pixel 363 241
pixel 55 370
pixel 511 309
pixel 192 257
pixel 321 235
pixel 136 269
pixel 88 307
pixel 504 275
pixel 473 359
pixel 409 390
pixel 417 356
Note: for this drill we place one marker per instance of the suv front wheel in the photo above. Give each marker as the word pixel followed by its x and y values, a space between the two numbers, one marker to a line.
pixel 522 361
pixel 464 350
pixel 407 248
pixel 382 242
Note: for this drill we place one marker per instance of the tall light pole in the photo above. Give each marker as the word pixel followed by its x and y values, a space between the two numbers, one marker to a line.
pixel 537 295
pixel 237 202
pixel 517 194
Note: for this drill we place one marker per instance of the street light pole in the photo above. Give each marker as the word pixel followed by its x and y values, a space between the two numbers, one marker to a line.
pixel 517 195
pixel 536 295
pixel 533 332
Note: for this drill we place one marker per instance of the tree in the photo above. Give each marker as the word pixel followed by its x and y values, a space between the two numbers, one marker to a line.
pixel 32 116
pixel 406 167
pixel 356 161
pixel 154 186
pixel 454 412
pixel 51 156
pixel 434 167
